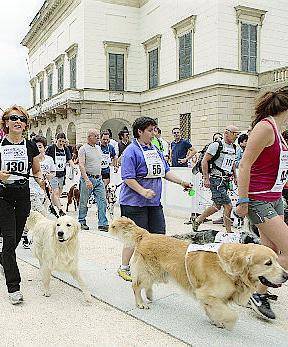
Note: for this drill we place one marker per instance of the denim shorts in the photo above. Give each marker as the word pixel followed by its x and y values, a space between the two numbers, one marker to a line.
pixel 259 210
pixel 57 182
pixel 150 218
pixel 219 190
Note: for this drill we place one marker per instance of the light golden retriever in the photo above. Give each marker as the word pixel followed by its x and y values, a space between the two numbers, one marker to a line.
pixel 55 245
pixel 215 279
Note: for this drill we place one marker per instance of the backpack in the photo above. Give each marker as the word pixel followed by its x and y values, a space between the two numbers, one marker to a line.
pixel 198 166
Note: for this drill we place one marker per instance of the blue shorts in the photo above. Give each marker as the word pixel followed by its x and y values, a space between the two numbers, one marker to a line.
pixel 57 182
pixel 150 218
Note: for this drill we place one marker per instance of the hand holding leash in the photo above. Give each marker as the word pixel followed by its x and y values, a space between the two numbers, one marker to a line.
pixel 4 175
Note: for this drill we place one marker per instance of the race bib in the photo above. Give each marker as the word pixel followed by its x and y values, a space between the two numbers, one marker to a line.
pixel 60 161
pixel 14 158
pixel 228 162
pixel 223 237
pixel 208 247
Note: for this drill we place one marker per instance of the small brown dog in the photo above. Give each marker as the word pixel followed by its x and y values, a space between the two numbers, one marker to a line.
pixel 73 196
pixel 216 280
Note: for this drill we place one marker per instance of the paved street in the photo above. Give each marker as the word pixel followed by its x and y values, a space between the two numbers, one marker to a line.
pixel 112 319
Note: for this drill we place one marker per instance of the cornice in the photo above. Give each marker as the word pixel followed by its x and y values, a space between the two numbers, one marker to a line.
pixel 113 45
pixel 49 68
pixel 249 13
pixel 33 82
pixel 40 76
pixel 59 60
pixel 184 25
pixel 131 3
pixel 43 19
pixel 72 50
pixel 154 41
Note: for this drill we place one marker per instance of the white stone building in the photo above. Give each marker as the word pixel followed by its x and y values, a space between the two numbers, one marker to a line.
pixel 198 64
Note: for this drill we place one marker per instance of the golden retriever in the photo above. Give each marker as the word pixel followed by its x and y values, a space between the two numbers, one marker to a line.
pixel 55 245
pixel 215 279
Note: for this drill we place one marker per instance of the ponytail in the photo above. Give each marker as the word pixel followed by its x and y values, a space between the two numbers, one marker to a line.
pixel 271 104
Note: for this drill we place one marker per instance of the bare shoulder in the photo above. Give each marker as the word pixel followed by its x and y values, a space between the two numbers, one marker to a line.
pixel 262 133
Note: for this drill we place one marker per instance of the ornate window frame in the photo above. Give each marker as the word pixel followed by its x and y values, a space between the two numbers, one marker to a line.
pixel 49 70
pixel 149 45
pixel 60 60
pixel 179 29
pixel 115 47
pixel 254 16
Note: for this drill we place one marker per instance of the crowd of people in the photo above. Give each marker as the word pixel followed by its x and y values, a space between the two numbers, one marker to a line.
pixel 33 175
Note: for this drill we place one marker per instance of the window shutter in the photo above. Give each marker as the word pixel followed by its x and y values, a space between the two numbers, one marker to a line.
pixel 41 91
pixel 49 84
pixel 73 72
pixel 153 68
pixel 185 55
pixel 60 78
pixel 185 125
pixel 248 47
pixel 120 72
pixel 34 95
pixel 116 71
pixel 253 48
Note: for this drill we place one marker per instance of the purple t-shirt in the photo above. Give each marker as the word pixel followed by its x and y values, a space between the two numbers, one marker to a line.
pixel 134 166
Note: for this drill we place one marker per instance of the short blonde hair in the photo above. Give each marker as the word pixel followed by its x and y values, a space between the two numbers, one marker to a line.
pixel 6 113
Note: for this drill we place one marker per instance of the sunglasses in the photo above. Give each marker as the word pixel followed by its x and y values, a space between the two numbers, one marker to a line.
pixel 15 117
pixel 233 132
pixel 176 132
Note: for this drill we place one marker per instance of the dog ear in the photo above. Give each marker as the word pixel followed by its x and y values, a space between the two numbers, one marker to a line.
pixel 235 258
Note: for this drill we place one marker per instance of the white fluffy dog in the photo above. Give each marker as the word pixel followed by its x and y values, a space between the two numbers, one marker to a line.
pixel 55 245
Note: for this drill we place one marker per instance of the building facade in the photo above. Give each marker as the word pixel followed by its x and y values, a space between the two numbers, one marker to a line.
pixel 194 64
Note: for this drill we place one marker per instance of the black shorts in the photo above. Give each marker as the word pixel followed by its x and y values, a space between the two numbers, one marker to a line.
pixel 105 176
pixel 150 218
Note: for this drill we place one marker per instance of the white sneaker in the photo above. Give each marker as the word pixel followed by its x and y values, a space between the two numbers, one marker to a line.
pixel 15 298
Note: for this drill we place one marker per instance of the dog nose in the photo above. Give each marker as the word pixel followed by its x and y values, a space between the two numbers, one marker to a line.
pixel 285 276
pixel 60 233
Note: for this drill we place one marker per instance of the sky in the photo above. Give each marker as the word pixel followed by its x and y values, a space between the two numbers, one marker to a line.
pixel 14 24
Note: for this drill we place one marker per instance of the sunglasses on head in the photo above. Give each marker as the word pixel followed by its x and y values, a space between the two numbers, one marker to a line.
pixel 15 117
pixel 233 132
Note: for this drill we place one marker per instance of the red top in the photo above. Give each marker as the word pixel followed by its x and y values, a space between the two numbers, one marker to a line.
pixel 265 169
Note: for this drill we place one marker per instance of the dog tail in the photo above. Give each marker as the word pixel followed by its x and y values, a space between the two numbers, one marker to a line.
pixel 127 231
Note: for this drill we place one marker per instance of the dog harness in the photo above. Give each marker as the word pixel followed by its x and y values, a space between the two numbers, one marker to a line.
pixel 208 247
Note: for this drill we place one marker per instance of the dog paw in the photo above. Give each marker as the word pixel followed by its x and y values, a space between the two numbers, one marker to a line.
pixel 47 293
pixel 143 306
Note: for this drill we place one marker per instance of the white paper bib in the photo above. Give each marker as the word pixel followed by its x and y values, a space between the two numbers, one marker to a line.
pixel 208 247
pixel 153 162
pixel 14 158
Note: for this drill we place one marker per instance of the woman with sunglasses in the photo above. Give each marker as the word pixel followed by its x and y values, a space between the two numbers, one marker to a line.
pixel 262 176
pixel 17 157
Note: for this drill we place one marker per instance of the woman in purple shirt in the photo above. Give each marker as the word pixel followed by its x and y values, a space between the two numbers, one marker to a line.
pixel 142 169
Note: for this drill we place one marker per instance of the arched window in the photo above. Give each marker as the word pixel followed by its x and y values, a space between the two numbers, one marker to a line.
pixel 49 136
pixel 71 133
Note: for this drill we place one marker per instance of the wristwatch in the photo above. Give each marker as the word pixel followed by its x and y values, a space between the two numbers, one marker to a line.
pixel 242 201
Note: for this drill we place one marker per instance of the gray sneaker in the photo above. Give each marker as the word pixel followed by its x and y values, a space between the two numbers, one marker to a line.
pixel 16 297
pixel 84 227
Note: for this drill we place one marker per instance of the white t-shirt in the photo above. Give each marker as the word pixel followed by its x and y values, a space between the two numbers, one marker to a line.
pixel 115 145
pixel 47 166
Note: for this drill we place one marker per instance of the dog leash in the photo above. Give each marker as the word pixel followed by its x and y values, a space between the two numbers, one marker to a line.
pixel 186 269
